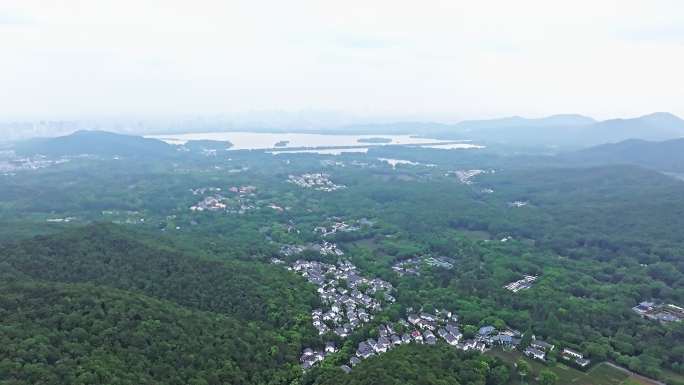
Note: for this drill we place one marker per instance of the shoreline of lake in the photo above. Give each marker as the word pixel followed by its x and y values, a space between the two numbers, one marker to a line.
pixel 245 140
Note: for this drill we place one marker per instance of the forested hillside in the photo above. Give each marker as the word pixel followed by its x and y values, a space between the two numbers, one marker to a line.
pixel 103 304
pixel 575 211
pixel 108 255
pixel 54 333
pixel 663 156
pixel 95 143
pixel 417 365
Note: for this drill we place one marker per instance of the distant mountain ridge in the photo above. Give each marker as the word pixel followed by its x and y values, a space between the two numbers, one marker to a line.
pixel 656 126
pixel 395 128
pixel 560 120
pixel 663 156
pixel 572 130
pixel 568 130
pixel 423 128
pixel 101 143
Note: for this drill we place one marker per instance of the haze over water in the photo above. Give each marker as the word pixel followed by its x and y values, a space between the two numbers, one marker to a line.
pixel 258 140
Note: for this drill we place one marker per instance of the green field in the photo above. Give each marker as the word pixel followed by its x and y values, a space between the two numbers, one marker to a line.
pixel 601 374
pixel 672 376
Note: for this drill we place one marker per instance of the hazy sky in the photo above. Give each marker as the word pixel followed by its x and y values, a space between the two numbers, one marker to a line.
pixel 429 58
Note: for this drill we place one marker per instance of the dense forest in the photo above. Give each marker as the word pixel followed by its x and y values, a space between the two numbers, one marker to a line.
pixel 418 365
pixel 89 304
pixel 84 334
pixel 106 255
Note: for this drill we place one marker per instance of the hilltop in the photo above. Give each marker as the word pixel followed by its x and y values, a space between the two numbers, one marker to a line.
pixel 664 156
pixel 99 143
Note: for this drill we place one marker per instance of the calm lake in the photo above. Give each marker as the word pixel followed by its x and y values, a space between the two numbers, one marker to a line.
pixel 261 141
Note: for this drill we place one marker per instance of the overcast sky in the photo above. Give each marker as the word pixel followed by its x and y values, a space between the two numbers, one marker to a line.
pixel 429 59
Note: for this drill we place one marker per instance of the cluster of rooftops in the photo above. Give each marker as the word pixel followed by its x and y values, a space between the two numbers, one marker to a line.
pixel 429 328
pixel 521 284
pixel 660 312
pixel 324 248
pixel 412 266
pixel 241 202
pixel 538 349
pixel 336 227
pixel 310 356
pixel 316 181
pixel 349 298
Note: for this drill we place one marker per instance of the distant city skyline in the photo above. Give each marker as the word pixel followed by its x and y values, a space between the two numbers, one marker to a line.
pixel 346 62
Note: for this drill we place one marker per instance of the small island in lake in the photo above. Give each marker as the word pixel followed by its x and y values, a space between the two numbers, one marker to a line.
pixel 282 143
pixel 374 140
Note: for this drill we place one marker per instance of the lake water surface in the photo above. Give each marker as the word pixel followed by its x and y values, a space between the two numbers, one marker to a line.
pixel 323 151
pixel 261 140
